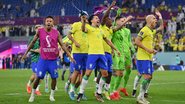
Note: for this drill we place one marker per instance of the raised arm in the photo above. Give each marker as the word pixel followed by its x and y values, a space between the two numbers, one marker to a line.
pixel 161 27
pixel 124 23
pixel 84 19
pixel 64 47
pixel 30 45
pixel 107 12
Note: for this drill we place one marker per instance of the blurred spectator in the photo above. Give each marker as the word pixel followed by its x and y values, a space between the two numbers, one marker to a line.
pixel 32 13
pixel 62 11
pixel 8 62
pixel 177 60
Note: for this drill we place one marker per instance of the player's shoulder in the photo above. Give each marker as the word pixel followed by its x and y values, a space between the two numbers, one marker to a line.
pixel 76 23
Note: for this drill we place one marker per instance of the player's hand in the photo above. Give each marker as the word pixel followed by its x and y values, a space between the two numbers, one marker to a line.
pixel 113 3
pixel 129 18
pixel 119 54
pixel 158 13
pixel 73 60
pixel 77 45
pixel 151 51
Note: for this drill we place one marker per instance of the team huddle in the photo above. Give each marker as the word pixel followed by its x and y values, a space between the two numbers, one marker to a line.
pixel 105 45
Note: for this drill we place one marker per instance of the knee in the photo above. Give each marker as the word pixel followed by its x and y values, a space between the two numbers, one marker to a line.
pixel 104 73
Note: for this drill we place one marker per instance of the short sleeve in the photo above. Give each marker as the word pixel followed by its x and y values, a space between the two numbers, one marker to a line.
pixel 142 34
pixel 73 28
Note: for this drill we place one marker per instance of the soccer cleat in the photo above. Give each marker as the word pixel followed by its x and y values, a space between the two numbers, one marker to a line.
pixel 140 101
pixel 146 95
pixel 79 97
pixel 38 93
pixel 84 97
pixel 124 90
pixel 28 88
pixel 117 95
pixel 99 97
pixel 113 97
pixel 72 95
pixel 51 98
pixel 106 93
pixel 146 101
pixel 134 93
pixel 31 99
pixel 66 87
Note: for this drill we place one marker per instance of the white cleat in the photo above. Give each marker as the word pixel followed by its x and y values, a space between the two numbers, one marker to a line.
pixel 51 98
pixel 31 99
pixel 146 101
pixel 140 101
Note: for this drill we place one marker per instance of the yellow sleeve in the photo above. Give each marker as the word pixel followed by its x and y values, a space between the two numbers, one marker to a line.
pixel 73 28
pixel 154 32
pixel 142 33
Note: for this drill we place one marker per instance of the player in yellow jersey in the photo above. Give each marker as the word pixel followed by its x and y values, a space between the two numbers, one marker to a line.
pixel 79 51
pixel 96 55
pixel 145 52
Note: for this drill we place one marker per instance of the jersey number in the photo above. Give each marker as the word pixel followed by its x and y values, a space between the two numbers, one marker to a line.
pixel 48 42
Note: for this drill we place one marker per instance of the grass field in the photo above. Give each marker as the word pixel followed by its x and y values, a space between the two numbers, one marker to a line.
pixel 167 88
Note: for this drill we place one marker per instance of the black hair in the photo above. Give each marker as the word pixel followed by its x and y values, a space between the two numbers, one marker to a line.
pixel 90 18
pixel 49 17
pixel 117 18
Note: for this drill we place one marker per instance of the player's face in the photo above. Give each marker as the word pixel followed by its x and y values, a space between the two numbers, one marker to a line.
pixel 120 21
pixel 49 23
pixel 96 20
pixel 85 17
pixel 153 21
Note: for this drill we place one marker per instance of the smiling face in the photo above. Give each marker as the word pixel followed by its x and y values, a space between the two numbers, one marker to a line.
pixel 95 20
pixel 49 22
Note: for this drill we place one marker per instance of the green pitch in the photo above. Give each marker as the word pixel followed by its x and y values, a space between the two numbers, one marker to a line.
pixel 167 88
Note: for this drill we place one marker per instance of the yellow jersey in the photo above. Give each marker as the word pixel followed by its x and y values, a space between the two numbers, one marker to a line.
pixel 80 37
pixel 147 36
pixel 95 39
pixel 108 33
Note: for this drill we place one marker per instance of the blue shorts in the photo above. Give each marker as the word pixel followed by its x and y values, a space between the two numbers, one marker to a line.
pixel 109 61
pixel 71 68
pixel 96 60
pixel 81 59
pixel 49 66
pixel 34 67
pixel 145 67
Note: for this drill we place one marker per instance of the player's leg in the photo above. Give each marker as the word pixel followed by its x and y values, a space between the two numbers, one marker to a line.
pixel 128 69
pixel 32 78
pixel 28 86
pixel 54 75
pixel 146 71
pixel 64 70
pixel 107 84
pixel 67 84
pixel 46 80
pixel 136 82
pixel 41 71
pixel 102 64
pixel 91 64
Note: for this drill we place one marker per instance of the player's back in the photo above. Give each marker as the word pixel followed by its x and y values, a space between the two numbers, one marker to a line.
pixel 48 43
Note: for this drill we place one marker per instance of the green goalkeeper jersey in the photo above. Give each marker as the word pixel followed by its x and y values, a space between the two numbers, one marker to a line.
pixel 34 55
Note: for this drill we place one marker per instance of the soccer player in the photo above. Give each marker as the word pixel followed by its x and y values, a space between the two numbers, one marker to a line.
pixel 121 39
pixel 79 51
pixel 49 38
pixel 145 52
pixel 96 54
pixel 34 60
pixel 106 26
